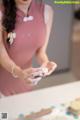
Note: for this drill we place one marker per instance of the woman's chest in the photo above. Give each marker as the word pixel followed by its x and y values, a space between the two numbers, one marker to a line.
pixel 32 32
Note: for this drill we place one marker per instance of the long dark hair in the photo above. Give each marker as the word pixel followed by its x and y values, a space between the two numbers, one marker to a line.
pixel 9 17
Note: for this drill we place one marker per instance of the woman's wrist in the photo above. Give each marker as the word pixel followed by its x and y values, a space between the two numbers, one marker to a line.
pixel 45 63
pixel 16 71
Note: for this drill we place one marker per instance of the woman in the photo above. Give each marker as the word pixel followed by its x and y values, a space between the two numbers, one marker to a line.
pixel 24 32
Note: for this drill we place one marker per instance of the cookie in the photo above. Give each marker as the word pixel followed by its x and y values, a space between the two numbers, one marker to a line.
pixel 74 107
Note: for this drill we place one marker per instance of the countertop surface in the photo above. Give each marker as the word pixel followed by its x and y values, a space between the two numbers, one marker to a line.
pixel 36 100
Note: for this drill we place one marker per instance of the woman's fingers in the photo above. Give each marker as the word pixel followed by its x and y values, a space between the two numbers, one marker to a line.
pixel 34 75
pixel 28 72
pixel 51 66
pixel 29 76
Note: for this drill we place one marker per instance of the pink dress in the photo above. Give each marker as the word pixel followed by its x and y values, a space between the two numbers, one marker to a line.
pixel 30 36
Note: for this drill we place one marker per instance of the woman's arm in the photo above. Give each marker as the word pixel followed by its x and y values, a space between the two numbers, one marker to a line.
pixel 41 52
pixel 6 62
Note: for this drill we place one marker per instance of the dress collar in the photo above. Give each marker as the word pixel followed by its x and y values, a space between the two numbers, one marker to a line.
pixel 21 13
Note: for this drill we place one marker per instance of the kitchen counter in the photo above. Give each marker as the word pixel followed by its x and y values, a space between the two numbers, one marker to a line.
pixel 36 100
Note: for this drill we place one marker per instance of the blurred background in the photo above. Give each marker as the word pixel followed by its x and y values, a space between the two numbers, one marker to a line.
pixel 64 45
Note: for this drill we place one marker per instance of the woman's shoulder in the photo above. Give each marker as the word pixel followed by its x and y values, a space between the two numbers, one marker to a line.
pixel 48 8
pixel 48 13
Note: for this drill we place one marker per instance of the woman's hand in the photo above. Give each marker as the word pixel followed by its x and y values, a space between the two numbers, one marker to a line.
pixel 51 66
pixel 31 75
pixel 23 74
pixel 28 73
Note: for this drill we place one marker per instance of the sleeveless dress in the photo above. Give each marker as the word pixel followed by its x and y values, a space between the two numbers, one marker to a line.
pixel 30 36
